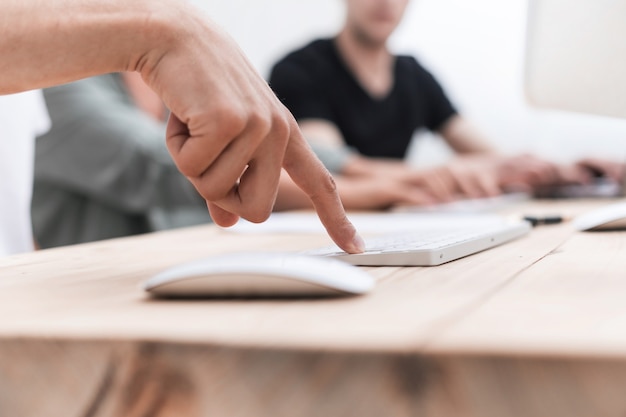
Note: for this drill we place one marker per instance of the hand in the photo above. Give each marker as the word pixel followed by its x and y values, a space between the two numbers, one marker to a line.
pixel 381 193
pixel 585 170
pixel 229 134
pixel 529 171
pixel 478 176
pixel 601 167
pixel 535 172
pixel 464 177
pixel 472 176
pixel 144 97
pixel 357 193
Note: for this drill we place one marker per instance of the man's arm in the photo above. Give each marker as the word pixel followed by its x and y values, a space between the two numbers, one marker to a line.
pixel 228 133
pixel 481 167
pixel 420 187
pixel 464 138
pixel 462 177
pixel 423 187
pixel 357 194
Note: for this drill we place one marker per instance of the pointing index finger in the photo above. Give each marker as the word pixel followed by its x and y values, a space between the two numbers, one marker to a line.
pixel 314 179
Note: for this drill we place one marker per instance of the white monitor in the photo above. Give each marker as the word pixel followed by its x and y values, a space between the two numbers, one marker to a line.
pixel 576 56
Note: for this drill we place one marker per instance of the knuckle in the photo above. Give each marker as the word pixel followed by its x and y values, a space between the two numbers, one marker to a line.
pixel 259 123
pixel 230 121
pixel 326 185
pixel 280 126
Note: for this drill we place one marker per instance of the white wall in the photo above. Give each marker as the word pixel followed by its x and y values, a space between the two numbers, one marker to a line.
pixel 267 29
pixel 474 47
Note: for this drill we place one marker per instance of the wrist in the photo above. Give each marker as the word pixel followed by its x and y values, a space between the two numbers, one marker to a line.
pixel 176 40
pixel 157 27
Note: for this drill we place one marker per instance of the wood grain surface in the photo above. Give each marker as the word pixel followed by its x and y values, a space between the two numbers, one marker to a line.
pixel 536 327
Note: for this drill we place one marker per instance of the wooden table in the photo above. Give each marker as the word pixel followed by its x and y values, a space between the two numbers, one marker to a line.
pixel 536 327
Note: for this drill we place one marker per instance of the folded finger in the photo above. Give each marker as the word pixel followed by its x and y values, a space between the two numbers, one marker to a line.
pixel 220 216
pixel 254 196
pixel 195 146
pixel 438 187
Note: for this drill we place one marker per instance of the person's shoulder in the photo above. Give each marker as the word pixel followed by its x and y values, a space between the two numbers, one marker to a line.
pixel 410 67
pixel 310 56
pixel 410 63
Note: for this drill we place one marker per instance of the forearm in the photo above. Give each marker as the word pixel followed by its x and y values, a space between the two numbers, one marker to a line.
pixel 56 41
pixel 354 196
pixel 362 166
pixel 355 193
pixel 464 138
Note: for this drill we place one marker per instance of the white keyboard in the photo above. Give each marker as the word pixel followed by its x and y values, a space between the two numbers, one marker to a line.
pixel 429 247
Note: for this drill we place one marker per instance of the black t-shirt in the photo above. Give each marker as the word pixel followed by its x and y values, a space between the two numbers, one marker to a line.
pixel 315 83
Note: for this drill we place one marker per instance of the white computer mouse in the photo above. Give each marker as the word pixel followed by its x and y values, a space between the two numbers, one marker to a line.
pixel 260 275
pixel 611 217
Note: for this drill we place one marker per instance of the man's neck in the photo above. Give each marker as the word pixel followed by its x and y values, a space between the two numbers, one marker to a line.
pixel 371 63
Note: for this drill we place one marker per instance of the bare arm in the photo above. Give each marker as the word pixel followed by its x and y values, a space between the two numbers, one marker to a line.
pixel 52 42
pixel 370 173
pixel 228 133
pixel 463 177
pixel 357 193
pixel 464 138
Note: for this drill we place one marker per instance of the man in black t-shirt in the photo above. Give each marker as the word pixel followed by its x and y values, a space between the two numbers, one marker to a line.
pixel 316 83
pixel 359 106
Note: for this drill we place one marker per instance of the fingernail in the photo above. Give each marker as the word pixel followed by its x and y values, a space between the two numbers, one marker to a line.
pixel 358 243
